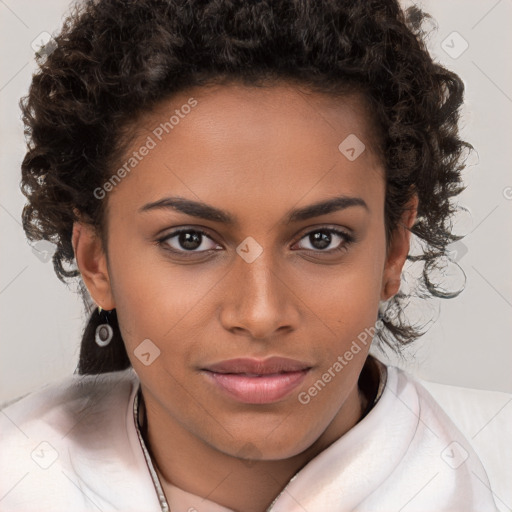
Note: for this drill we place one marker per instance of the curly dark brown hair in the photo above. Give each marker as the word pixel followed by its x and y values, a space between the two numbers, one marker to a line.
pixel 114 60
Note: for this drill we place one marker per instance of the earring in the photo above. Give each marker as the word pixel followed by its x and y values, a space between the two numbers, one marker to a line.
pixel 381 315
pixel 104 332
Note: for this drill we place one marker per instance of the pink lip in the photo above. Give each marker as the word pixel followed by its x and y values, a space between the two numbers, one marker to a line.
pixel 257 390
pixel 257 381
pixel 258 366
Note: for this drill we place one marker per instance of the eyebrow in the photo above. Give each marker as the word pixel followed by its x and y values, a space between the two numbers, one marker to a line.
pixel 208 212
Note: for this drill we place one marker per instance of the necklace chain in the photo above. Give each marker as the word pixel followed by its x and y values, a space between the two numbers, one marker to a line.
pixel 164 506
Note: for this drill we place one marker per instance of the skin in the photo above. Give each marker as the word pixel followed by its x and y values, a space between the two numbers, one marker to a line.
pixel 256 153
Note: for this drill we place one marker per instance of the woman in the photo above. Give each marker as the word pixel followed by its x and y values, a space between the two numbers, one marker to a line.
pixel 235 184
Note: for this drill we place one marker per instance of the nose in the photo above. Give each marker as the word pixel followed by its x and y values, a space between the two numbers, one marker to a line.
pixel 257 299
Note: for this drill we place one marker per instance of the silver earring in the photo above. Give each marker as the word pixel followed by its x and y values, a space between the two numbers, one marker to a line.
pixel 104 332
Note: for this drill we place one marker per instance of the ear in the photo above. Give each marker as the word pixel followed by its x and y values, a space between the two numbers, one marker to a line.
pixel 398 250
pixel 92 263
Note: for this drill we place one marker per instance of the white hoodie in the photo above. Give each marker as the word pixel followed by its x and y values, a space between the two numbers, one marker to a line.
pixel 75 446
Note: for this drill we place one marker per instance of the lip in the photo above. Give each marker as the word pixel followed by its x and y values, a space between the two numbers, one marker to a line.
pixel 257 390
pixel 254 381
pixel 267 366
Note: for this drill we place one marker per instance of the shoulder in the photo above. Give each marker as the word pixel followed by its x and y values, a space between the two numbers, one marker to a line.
pixel 485 419
pixel 474 411
pixel 445 441
pixel 62 446
pixel 59 406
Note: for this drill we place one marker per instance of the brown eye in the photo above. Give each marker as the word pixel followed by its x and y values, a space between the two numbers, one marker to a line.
pixel 323 238
pixel 188 240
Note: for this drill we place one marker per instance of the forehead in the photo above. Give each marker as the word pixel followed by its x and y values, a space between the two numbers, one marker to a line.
pixel 263 110
pixel 260 145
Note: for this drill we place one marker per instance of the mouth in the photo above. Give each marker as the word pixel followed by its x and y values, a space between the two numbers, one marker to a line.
pixel 256 367
pixel 257 382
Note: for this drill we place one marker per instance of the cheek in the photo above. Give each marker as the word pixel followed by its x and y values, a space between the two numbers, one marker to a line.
pixel 163 302
pixel 352 292
pixel 347 303
pixel 144 284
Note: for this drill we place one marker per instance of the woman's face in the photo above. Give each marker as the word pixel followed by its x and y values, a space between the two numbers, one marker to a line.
pixel 270 276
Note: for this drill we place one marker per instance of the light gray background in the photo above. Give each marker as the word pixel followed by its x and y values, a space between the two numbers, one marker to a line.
pixel 470 345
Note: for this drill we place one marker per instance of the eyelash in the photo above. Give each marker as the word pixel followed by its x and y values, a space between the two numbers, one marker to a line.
pixel 348 239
